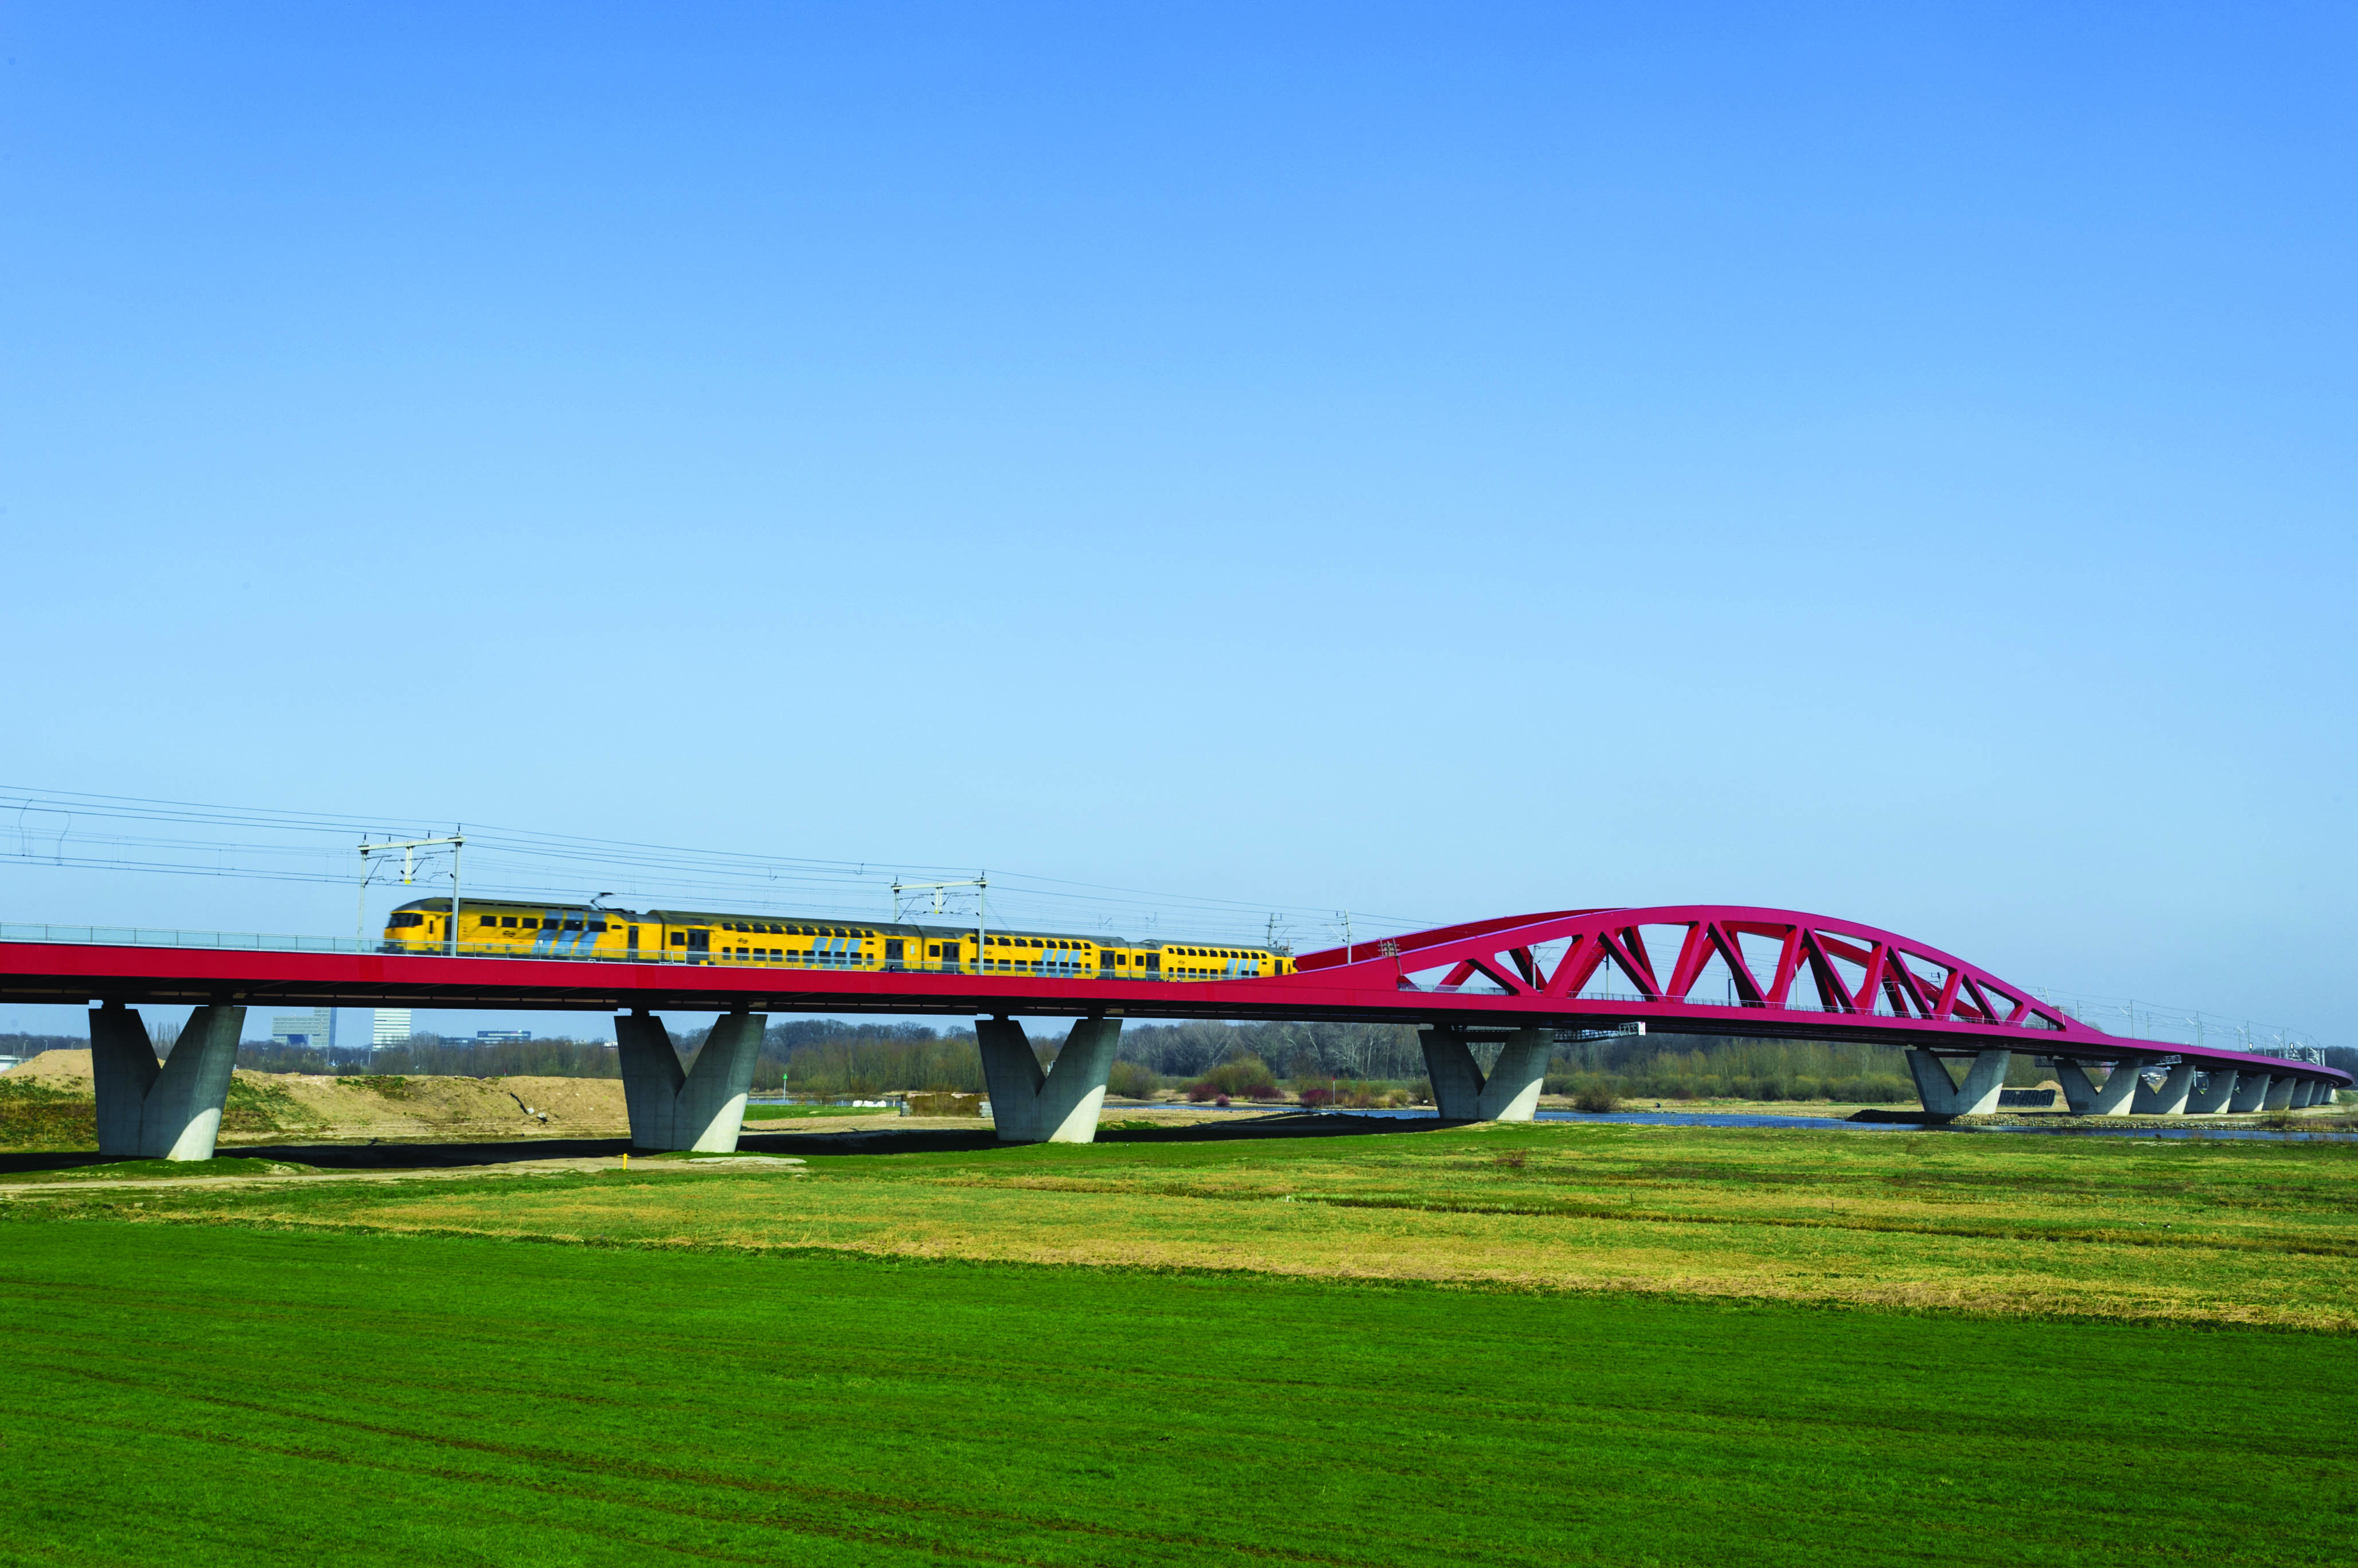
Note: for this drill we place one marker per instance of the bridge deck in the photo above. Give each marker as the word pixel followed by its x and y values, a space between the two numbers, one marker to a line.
pixel 1328 988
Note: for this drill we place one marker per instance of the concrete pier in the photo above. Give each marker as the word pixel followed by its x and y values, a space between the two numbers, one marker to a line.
pixel 2218 1089
pixel 2113 1097
pixel 1509 1092
pixel 2170 1099
pixel 2279 1095
pixel 2251 1088
pixel 162 1111
pixel 671 1108
pixel 1943 1096
pixel 1059 1106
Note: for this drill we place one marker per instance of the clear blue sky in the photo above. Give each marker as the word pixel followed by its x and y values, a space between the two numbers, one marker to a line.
pixel 1893 461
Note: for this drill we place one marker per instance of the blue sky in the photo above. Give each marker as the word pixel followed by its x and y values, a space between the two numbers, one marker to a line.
pixel 1450 460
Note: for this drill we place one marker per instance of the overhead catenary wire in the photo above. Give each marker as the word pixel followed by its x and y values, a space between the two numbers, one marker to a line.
pixel 80 830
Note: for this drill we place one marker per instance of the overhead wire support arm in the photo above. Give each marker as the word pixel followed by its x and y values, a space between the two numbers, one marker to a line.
pixel 456 840
pixel 979 883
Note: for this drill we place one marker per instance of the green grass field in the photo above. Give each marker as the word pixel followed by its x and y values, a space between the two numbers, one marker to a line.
pixel 723 1366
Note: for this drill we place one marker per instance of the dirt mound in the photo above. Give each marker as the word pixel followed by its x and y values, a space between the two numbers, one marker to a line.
pixel 59 1069
pixel 454 1107
pixel 268 1105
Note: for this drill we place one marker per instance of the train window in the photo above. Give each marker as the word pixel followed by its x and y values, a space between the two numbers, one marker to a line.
pixel 573 925
pixel 480 920
pixel 679 938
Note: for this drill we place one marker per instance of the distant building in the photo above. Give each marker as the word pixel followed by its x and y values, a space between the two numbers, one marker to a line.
pixel 392 1026
pixel 312 1029
pixel 501 1036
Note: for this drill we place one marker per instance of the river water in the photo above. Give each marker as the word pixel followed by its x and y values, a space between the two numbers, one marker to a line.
pixel 1837 1124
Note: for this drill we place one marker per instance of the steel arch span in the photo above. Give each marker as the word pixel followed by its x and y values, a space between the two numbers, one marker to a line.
pixel 1787 974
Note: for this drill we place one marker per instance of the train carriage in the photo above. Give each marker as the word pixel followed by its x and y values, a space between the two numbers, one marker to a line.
pixel 509 928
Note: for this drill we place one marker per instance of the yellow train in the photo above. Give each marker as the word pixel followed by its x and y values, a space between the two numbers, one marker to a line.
pixel 495 928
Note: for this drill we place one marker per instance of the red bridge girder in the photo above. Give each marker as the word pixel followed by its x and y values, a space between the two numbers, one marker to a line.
pixel 1806 977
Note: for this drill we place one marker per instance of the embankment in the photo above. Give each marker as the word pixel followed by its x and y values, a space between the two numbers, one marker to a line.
pixel 48 1103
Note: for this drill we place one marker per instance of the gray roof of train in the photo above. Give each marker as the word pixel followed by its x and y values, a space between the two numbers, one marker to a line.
pixel 882 928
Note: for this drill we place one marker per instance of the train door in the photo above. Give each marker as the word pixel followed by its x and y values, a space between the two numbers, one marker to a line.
pixel 892 952
pixel 700 947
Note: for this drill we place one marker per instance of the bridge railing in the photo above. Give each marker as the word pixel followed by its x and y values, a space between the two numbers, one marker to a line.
pixel 160 937
pixel 258 942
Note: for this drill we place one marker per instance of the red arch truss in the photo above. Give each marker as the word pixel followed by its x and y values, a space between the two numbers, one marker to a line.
pixel 1725 968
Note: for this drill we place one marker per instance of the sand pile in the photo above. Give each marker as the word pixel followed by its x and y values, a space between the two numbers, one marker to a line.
pixel 56 1069
pixel 279 1105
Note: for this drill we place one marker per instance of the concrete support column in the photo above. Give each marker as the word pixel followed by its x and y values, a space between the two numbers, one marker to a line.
pixel 2251 1088
pixel 2170 1099
pixel 1059 1106
pixel 671 1108
pixel 1510 1092
pixel 166 1111
pixel 1943 1096
pixel 2279 1096
pixel 2112 1097
pixel 2218 1089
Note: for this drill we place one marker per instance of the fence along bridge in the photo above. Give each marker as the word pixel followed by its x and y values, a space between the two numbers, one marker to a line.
pixel 1516 982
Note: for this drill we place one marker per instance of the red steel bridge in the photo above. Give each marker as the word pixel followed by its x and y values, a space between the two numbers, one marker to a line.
pixel 1518 982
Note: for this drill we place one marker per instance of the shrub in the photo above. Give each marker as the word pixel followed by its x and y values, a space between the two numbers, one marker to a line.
pixel 1246 1075
pixel 1132 1081
pixel 1597 1099
pixel 1316 1097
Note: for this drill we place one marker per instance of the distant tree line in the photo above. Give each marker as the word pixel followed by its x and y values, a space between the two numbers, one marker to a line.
pixel 34 1045
pixel 432 1056
pixel 826 1057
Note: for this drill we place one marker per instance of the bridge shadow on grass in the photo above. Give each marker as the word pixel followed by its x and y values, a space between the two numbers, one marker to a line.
pixel 385 1156
pixel 379 1156
pixel 932 1141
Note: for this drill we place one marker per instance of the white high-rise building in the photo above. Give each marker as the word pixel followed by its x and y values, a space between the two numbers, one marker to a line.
pixel 392 1026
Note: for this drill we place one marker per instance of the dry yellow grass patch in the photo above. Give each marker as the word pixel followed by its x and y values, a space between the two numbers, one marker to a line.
pixel 1973 1224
